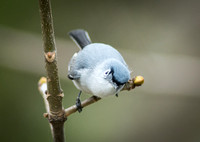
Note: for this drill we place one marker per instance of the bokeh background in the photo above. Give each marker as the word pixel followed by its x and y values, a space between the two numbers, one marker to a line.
pixel 159 39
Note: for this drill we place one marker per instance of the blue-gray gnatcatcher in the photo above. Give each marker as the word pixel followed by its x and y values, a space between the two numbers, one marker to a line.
pixel 97 69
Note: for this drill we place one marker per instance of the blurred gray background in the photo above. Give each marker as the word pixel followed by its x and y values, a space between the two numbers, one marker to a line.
pixel 159 39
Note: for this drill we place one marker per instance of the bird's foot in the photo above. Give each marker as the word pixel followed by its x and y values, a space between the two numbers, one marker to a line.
pixel 78 105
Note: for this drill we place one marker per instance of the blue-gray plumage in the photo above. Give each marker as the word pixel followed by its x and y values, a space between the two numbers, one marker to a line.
pixel 98 68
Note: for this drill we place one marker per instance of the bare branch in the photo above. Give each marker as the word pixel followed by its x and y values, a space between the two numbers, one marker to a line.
pixel 53 83
pixel 131 84
pixel 53 95
pixel 84 103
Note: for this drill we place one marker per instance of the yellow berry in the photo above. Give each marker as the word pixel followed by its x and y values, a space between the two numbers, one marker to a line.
pixel 139 80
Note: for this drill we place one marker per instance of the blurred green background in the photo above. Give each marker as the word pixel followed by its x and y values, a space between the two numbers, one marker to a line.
pixel 159 39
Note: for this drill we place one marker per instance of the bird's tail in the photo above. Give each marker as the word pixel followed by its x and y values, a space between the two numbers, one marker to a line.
pixel 80 37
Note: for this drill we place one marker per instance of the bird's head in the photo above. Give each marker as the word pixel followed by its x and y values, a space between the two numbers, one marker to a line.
pixel 116 73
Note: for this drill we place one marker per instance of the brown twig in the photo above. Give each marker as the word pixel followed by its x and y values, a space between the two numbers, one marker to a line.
pixel 53 96
pixel 131 84
pixel 84 103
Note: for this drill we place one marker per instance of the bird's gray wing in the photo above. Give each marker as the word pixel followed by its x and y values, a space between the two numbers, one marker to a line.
pixel 73 74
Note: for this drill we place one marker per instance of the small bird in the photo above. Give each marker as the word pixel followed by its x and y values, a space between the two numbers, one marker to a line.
pixel 97 69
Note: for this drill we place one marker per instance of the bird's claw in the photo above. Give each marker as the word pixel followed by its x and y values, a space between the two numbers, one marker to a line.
pixel 78 105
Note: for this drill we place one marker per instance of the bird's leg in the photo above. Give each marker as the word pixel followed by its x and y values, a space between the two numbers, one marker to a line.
pixel 78 102
pixel 116 95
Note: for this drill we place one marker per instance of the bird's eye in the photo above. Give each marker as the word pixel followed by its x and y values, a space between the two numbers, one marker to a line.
pixel 107 72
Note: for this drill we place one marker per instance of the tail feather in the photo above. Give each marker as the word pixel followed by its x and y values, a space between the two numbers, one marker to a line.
pixel 80 37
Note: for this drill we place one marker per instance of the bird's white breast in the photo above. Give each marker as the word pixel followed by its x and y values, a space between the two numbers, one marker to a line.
pixel 94 83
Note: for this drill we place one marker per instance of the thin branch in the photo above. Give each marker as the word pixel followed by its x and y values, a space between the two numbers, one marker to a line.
pixel 53 96
pixel 84 103
pixel 131 84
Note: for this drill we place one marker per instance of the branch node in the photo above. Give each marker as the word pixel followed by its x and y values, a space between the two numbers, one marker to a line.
pixel 46 115
pixel 50 56
pixel 57 117
pixel 48 79
pixel 47 95
pixel 61 95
